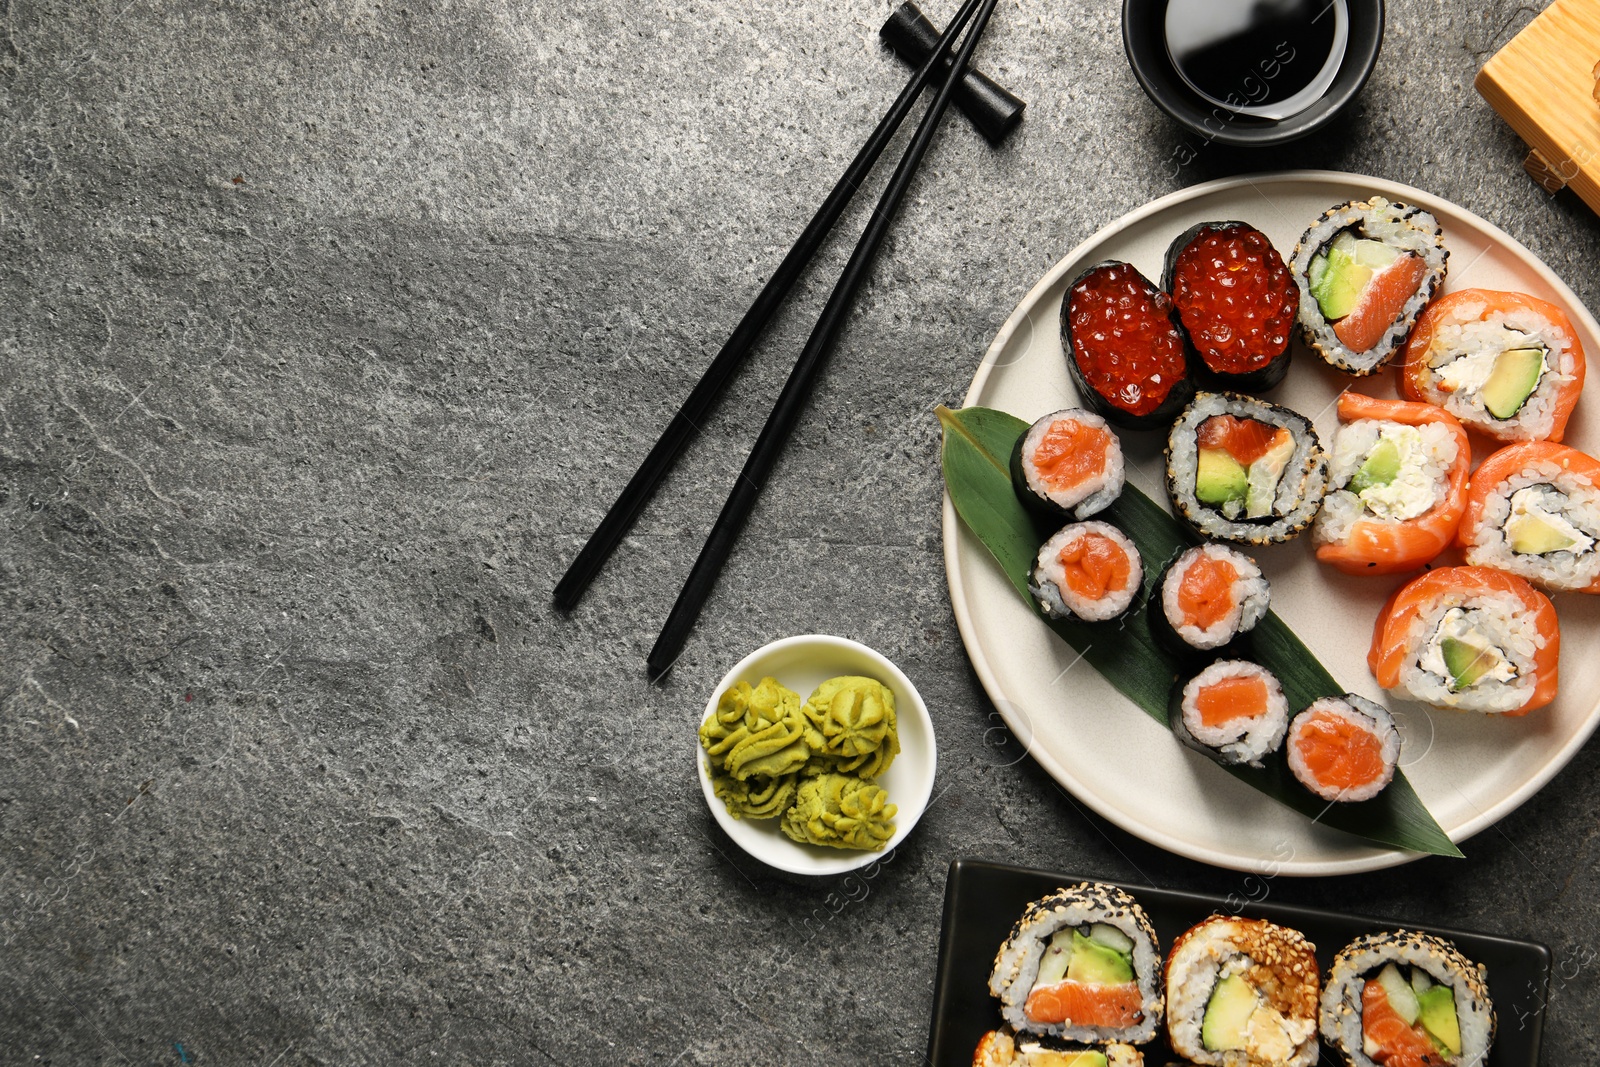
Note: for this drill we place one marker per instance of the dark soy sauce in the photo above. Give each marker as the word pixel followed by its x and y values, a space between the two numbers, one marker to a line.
pixel 1269 58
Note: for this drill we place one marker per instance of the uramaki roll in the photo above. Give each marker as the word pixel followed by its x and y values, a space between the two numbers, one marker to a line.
pixel 1533 510
pixel 1243 993
pixel 1082 965
pixel 1406 997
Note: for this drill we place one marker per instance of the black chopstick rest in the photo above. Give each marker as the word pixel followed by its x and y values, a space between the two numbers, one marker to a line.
pixel 992 109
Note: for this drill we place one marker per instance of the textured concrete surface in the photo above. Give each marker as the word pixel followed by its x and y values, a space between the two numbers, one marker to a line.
pixel 327 331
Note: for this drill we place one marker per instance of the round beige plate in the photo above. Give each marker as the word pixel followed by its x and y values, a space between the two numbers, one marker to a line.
pixel 1469 769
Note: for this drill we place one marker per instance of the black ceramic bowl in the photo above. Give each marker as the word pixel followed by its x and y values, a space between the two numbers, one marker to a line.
pixel 1144 37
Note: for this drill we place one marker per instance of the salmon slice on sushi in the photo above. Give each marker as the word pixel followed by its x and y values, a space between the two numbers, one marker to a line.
pixel 1398 476
pixel 1507 364
pixel 1343 749
pixel 1533 510
pixel 1469 638
pixel 1088 571
pixel 1068 464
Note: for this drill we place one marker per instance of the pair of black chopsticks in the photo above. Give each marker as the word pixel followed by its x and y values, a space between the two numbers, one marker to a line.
pixel 790 402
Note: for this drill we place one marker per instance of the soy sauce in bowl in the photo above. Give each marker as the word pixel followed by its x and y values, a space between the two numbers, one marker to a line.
pixel 1267 58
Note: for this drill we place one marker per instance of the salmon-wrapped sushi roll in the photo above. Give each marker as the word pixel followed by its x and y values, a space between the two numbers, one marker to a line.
pixel 1533 509
pixel 1470 638
pixel 1507 364
pixel 1399 477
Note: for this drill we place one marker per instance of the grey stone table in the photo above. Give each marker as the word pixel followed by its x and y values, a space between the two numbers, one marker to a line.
pixel 328 330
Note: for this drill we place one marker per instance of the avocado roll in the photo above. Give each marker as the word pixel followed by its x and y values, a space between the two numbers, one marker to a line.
pixel 1344 748
pixel 1237 301
pixel 1243 470
pixel 1081 964
pixel 1533 510
pixel 1406 997
pixel 1126 350
pixel 1470 638
pixel 1005 1048
pixel 1366 270
pixel 1233 711
pixel 1507 364
pixel 1243 992
pixel 1069 464
pixel 1089 571
pixel 1209 596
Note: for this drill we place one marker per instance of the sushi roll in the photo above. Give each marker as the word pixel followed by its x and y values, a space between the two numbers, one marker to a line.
pixel 1082 964
pixel 1210 595
pixel 1243 470
pixel 1533 510
pixel 1126 349
pixel 1405 997
pixel 1234 711
pixel 1243 993
pixel 1398 478
pixel 1237 301
pixel 1469 638
pixel 1507 364
pixel 1344 748
pixel 1005 1048
pixel 1366 270
pixel 1069 464
pixel 1088 571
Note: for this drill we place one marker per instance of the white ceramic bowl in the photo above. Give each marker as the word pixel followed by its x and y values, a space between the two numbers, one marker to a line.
pixel 801 664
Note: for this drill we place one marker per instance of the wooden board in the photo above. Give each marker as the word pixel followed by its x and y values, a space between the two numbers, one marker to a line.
pixel 1542 83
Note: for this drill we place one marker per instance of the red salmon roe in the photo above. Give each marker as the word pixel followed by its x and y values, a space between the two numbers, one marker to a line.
pixel 1123 338
pixel 1236 298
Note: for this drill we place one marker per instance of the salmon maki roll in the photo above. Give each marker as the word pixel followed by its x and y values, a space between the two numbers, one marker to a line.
pixel 1507 364
pixel 1210 595
pixel 1089 571
pixel 1366 270
pixel 1234 711
pixel 1069 463
pixel 1344 748
pixel 1470 638
pixel 1081 964
pixel 1533 510
pixel 1399 476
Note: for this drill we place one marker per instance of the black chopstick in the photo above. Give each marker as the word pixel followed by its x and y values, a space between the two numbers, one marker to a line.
pixel 795 391
pixel 687 421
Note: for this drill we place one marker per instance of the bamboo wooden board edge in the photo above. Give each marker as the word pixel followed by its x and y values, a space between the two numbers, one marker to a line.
pixel 1542 83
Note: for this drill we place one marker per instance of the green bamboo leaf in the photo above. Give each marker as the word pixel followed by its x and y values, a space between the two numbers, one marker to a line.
pixel 976 457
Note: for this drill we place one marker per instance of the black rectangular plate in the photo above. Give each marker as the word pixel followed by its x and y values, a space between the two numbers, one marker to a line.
pixel 983 900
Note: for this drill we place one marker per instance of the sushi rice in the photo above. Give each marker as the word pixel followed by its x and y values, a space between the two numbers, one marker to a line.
pixel 1545 493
